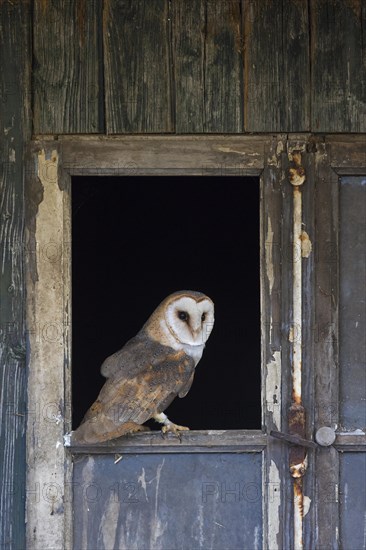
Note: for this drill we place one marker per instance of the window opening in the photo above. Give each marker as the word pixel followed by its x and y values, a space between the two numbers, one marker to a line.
pixel 137 239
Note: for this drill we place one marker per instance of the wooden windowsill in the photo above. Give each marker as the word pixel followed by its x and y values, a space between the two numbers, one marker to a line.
pixel 208 441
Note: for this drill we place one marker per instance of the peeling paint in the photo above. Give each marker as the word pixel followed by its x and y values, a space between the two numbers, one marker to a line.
pixel 46 459
pixel 306 503
pixel 11 155
pixel 297 296
pixel 355 432
pixel 298 514
pixel 306 246
pixel 257 538
pixel 280 148
pixel 275 159
pixel 142 480
pixel 200 519
pixel 87 478
pixel 273 388
pixel 109 522
pixel 274 486
pixel 225 149
pixel 301 241
pixel 157 527
pixel 269 256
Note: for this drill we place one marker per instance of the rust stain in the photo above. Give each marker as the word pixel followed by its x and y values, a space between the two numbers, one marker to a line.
pixel 296 158
pixel 296 175
pixel 299 496
pixel 296 172
pixel 297 454
pixel 296 420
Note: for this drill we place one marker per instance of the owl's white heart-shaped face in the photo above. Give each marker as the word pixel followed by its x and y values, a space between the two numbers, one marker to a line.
pixel 190 319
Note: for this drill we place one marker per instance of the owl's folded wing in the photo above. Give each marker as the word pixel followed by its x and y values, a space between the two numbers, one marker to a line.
pixel 126 402
pixel 131 359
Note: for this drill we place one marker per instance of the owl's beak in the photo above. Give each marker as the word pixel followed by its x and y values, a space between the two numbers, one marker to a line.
pixel 196 332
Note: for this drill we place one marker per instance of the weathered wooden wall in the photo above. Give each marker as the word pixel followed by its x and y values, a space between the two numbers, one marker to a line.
pixel 153 66
pixel 15 124
pixel 225 66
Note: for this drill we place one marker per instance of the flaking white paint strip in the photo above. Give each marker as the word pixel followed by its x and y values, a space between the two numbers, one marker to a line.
pixel 269 256
pixel 275 159
pixel 306 246
pixel 274 502
pixel 298 507
pixel 306 504
pixel 273 388
pixel 224 149
pixel 297 295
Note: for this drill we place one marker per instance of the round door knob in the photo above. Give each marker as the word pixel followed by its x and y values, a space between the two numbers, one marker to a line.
pixel 325 436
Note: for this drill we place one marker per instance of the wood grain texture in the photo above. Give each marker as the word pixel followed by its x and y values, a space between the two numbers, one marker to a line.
pixel 277 70
pixel 208 67
pixel 137 66
pixel 274 374
pixel 338 60
pixel 196 441
pixel 144 155
pixel 67 77
pixel 49 338
pixel 347 154
pixel 14 130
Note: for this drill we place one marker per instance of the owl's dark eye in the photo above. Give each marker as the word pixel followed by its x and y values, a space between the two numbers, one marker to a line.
pixel 203 317
pixel 183 315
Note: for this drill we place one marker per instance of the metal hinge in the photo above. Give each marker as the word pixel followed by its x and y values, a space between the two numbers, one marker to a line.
pixel 294 439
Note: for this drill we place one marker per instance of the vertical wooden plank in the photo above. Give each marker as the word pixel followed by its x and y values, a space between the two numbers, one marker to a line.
pixel 14 130
pixel 308 322
pixel 137 66
pixel 277 73
pixel 48 322
pixel 326 346
pixel 338 59
pixel 274 373
pixel 67 77
pixel 207 45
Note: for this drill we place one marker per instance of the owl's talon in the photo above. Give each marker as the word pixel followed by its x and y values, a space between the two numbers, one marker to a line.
pixel 175 429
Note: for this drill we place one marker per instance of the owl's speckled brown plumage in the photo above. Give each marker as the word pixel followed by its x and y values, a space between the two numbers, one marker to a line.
pixel 151 369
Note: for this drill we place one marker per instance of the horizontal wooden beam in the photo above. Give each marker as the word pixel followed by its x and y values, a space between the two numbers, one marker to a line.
pixel 162 155
pixel 211 441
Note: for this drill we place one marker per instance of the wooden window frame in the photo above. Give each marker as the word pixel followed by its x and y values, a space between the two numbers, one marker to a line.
pixel 51 164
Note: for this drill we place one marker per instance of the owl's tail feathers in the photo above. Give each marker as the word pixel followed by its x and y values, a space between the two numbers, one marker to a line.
pixel 98 430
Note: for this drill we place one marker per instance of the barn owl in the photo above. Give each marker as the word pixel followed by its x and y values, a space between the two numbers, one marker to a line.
pixel 150 370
